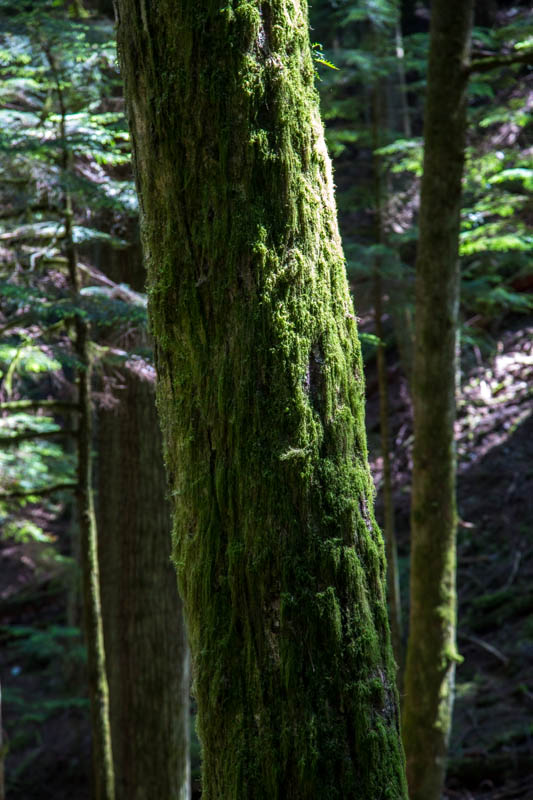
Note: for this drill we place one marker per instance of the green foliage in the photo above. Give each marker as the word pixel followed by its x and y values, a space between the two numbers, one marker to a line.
pixel 59 81
pixel 319 58
pixel 28 422
pixel 29 466
pixel 24 359
pixel 43 710
pixel 496 239
pixel 404 156
pixel 359 39
pixel 45 647
pixel 23 531
pixel 57 72
pixel 49 651
pixel 62 130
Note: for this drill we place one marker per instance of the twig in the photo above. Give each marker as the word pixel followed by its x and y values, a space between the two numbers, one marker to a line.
pixel 475 559
pixel 486 646
pixel 514 570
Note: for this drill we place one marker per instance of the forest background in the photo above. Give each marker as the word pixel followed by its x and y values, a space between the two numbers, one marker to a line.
pixel 66 181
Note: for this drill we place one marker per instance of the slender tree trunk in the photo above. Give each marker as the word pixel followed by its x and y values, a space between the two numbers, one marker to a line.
pixel 398 41
pixel 103 779
pixel 432 654
pixel 400 309
pixel 401 312
pixel 260 392
pixel 74 599
pixel 393 578
pixel 146 646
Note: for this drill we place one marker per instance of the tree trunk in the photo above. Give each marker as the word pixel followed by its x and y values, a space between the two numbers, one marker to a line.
pixel 102 757
pixel 400 309
pixel 393 575
pixel 146 646
pixel 402 83
pixel 391 549
pixel 432 651
pixel 103 779
pixel 260 392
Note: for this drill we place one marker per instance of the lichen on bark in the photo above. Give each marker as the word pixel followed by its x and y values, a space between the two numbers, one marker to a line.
pixel 260 394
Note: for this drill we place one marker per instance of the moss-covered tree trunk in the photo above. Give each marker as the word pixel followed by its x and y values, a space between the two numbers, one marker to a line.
pixel 431 654
pixel 260 392
pixel 144 632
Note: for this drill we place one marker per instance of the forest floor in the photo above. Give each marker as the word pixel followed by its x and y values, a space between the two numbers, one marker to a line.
pixel 41 658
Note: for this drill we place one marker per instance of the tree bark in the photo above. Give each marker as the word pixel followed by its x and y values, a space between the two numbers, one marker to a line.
pixel 432 653
pixel 261 397
pixel 144 631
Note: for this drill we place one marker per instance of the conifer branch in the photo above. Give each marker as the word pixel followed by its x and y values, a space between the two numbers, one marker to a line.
pixel 42 492
pixel 494 62
pixel 29 405
pixel 21 437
